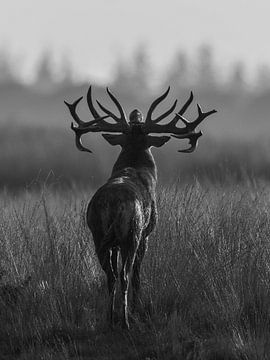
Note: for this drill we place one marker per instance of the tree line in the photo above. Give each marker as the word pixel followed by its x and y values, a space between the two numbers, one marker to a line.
pixel 138 74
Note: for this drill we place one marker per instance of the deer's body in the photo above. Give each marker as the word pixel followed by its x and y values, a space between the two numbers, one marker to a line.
pixel 123 212
pixel 129 192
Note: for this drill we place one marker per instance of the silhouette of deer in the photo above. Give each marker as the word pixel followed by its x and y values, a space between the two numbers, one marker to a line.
pixel 123 212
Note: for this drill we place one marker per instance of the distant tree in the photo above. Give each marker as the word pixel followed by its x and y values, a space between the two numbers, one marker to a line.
pixel 7 71
pixel 262 81
pixel 123 77
pixel 206 72
pixel 237 81
pixel 177 74
pixel 66 75
pixel 134 76
pixel 142 71
pixel 45 78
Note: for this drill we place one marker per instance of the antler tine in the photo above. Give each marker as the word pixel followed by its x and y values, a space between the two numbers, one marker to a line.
pixel 154 104
pixel 78 140
pixel 72 109
pixel 167 113
pixel 183 109
pixel 191 126
pixel 80 130
pixel 122 120
pixel 108 112
pixel 202 115
pixel 90 103
pixel 186 105
pixel 118 105
pixel 193 141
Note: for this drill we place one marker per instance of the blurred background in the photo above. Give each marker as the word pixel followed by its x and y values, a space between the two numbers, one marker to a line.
pixel 52 51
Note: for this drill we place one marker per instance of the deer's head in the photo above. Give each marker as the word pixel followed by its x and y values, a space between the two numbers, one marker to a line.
pixel 135 132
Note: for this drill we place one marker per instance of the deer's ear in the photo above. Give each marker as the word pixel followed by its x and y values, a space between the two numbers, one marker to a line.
pixel 157 141
pixel 114 139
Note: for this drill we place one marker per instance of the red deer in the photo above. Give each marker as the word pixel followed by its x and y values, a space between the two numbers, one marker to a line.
pixel 123 212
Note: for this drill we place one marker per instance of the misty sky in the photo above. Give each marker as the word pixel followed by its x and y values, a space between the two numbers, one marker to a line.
pixel 95 34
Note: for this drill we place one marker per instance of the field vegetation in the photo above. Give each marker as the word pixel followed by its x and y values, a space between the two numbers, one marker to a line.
pixel 206 277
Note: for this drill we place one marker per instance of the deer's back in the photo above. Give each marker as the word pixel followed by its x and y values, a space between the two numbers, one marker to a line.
pixel 122 205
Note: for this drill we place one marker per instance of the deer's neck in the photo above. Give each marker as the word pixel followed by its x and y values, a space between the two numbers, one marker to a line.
pixel 142 161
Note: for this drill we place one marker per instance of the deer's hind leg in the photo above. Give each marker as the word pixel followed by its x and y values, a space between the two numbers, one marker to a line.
pixel 128 254
pixel 109 263
pixel 135 280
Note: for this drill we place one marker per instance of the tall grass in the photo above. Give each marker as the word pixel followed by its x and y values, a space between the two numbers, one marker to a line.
pixel 205 278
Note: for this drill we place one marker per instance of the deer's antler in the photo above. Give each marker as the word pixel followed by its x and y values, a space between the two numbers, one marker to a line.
pixel 149 119
pixel 186 132
pixel 98 124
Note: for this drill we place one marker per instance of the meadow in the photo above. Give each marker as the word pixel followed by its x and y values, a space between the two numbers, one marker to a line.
pixel 206 277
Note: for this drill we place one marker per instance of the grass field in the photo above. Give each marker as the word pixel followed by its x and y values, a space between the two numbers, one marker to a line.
pixel 206 278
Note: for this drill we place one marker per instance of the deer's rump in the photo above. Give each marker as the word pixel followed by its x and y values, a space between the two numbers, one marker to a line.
pixel 117 215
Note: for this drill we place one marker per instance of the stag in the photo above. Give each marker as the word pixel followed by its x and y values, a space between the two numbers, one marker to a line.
pixel 123 212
